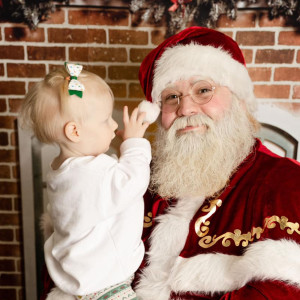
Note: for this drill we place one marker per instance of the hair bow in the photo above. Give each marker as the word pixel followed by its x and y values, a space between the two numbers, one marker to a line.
pixel 75 87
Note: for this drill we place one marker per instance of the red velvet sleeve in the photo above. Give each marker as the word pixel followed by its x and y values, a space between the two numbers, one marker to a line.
pixel 264 290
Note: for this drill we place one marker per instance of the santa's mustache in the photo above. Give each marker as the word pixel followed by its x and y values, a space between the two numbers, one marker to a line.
pixel 195 120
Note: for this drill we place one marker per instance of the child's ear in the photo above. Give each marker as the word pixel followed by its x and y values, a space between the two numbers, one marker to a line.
pixel 72 132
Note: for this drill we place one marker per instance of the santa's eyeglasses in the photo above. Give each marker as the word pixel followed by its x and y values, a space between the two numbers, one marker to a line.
pixel 201 93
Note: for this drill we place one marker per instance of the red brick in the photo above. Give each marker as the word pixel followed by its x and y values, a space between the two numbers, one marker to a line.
pixel 3 142
pixel 20 265
pixel 99 70
pixel 123 72
pixel 3 107
pixel 97 54
pixel 53 67
pixel 274 56
pixel 135 91
pixel 83 36
pixel 18 234
pixel 118 89
pixel 96 36
pixel 10 219
pixel 67 35
pixel 7 122
pixel 8 294
pixel 1 69
pixel 46 53
pixel 24 34
pixel 260 74
pixel 128 37
pixel 99 17
pixel 15 169
pixel 14 104
pixel 243 20
pixel 137 55
pixel 6 235
pixel 289 38
pixel 7 156
pixel 298 56
pixel 265 21
pixel 228 33
pixel 157 36
pixel 21 294
pixel 26 70
pixel 58 17
pixel 4 171
pixel 11 52
pixel 7 265
pixel 296 92
pixel 272 91
pixel 12 88
pixel 287 74
pixel 255 38
pixel 11 280
pixel 248 54
pixel 8 188
pixel 17 204
pixel 5 203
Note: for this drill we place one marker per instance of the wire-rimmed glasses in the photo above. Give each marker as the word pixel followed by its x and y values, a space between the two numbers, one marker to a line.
pixel 201 93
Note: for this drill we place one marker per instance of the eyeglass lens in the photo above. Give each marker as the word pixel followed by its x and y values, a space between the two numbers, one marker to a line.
pixel 201 93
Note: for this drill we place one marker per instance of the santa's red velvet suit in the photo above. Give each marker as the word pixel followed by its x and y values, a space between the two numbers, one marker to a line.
pixel 244 244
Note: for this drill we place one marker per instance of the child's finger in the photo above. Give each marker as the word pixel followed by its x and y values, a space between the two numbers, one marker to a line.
pixel 125 114
pixel 145 125
pixel 134 114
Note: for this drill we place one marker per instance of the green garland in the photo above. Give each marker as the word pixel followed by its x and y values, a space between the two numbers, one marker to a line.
pixel 177 13
pixel 30 12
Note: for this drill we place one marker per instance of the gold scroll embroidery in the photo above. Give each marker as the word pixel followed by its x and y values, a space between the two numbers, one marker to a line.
pixel 148 220
pixel 207 241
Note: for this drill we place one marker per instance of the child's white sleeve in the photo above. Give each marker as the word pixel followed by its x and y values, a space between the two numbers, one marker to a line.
pixel 130 177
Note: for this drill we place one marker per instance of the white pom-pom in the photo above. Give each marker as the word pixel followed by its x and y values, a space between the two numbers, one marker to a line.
pixel 152 110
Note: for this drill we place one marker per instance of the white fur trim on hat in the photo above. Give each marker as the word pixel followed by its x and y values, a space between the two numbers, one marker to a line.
pixel 184 61
pixel 152 110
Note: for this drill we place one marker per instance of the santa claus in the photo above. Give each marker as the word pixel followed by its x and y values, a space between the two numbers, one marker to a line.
pixel 222 213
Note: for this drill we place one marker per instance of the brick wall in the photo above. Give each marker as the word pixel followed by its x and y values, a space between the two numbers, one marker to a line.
pixel 106 43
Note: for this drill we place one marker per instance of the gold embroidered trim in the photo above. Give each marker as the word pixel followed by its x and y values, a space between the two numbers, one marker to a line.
pixel 148 220
pixel 206 241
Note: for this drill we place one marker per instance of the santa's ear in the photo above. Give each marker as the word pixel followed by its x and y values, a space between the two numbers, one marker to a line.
pixel 72 132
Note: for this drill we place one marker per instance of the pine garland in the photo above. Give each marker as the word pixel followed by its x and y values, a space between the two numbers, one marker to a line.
pixel 30 12
pixel 179 13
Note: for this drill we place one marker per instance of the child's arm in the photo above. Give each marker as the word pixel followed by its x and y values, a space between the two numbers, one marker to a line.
pixel 134 125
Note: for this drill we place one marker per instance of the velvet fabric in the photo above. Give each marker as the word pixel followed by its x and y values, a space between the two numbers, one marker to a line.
pixel 200 35
pixel 260 203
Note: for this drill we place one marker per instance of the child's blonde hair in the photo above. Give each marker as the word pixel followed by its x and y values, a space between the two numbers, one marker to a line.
pixel 46 105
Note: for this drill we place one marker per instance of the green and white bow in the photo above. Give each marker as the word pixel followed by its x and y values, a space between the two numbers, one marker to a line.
pixel 75 87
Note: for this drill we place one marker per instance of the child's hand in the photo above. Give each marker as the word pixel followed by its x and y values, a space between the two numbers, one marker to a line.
pixel 134 127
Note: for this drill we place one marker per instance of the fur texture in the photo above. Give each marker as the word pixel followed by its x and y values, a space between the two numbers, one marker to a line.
pixel 152 110
pixel 184 61
pixel 210 273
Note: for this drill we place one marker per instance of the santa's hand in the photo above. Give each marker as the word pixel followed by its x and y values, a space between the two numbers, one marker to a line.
pixel 134 125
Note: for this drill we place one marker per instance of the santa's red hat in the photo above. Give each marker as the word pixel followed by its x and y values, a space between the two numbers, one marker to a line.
pixel 194 51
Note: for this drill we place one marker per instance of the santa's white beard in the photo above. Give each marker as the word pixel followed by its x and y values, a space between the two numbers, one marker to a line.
pixel 201 163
